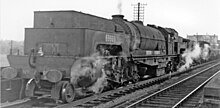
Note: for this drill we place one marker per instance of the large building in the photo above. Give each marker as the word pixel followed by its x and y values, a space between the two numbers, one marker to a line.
pixel 212 39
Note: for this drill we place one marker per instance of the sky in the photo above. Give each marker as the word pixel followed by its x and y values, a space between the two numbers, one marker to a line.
pixel 188 17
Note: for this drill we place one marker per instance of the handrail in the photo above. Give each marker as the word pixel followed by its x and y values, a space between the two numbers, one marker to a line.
pixel 34 59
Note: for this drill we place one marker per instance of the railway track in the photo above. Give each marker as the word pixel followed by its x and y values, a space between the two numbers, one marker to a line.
pixel 111 98
pixel 181 94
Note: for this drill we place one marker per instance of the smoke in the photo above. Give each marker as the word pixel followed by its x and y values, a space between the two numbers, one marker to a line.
pixel 99 85
pixel 193 54
pixel 119 6
pixel 189 55
pixel 89 73
pixel 205 52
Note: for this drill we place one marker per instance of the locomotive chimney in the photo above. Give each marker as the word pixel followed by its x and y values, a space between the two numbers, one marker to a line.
pixel 116 17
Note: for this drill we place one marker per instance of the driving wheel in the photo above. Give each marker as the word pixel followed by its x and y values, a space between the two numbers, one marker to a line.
pixel 67 92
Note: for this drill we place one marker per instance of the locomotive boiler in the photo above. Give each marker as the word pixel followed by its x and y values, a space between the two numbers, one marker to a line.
pixel 69 53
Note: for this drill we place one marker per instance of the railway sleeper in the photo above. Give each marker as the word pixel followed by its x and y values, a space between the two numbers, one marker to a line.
pixel 103 100
pixel 185 107
pixel 161 102
pixel 97 100
pixel 167 98
pixel 148 105
pixel 190 104
pixel 142 86
pixel 123 92
pixel 171 97
pixel 194 97
pixel 109 98
pixel 114 96
pixel 179 90
pixel 90 102
pixel 192 101
pixel 132 89
pixel 118 94
pixel 94 102
pixel 192 83
pixel 174 95
pixel 191 86
pixel 176 92
pixel 85 105
pixel 128 91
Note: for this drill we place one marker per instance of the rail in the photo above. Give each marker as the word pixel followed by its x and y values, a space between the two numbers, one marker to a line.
pixel 171 86
pixel 195 90
pixel 108 97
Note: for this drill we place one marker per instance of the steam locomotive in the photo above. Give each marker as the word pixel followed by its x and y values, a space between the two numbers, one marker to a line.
pixel 69 54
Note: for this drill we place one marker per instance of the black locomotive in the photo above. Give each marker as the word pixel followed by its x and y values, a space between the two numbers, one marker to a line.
pixel 69 53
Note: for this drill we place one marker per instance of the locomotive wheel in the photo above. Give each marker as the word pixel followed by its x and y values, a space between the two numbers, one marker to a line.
pixel 127 71
pixel 136 77
pixel 67 92
pixel 130 73
pixel 169 67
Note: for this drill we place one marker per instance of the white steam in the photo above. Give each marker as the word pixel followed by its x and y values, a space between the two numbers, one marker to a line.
pixel 99 85
pixel 205 52
pixel 119 6
pixel 195 53
pixel 90 67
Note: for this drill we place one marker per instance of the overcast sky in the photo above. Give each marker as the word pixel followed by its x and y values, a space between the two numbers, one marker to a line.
pixel 186 16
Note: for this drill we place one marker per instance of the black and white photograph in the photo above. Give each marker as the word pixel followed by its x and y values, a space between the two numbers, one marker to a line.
pixel 110 53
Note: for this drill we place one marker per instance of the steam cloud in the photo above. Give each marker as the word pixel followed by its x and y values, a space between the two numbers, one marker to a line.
pixel 91 68
pixel 119 6
pixel 195 53
pixel 205 52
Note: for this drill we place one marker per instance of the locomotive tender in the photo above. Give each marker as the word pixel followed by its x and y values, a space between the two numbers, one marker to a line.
pixel 63 40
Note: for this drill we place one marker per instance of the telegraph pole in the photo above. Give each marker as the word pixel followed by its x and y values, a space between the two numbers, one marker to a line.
pixel 139 11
